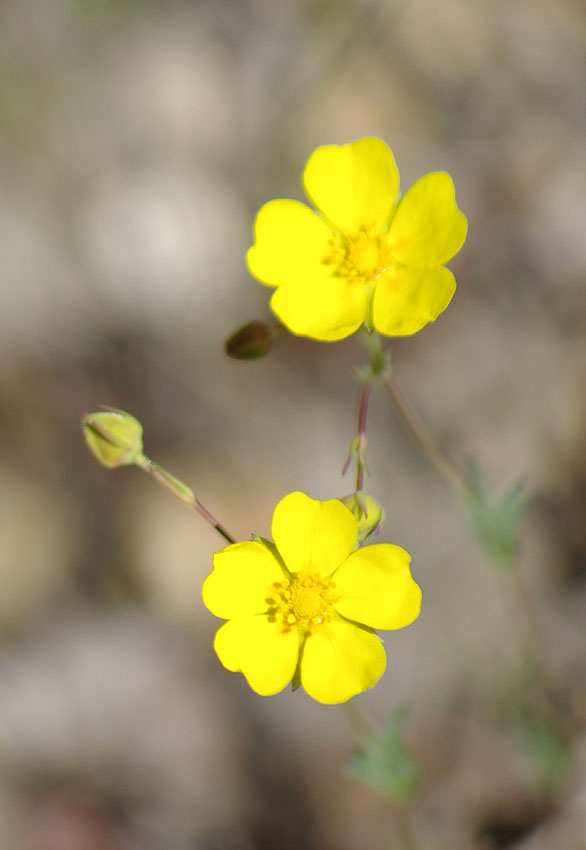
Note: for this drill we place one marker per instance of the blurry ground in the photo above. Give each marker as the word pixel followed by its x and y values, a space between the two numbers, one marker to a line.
pixel 137 140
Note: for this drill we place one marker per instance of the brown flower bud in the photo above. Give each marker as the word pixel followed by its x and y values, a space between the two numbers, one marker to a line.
pixel 251 341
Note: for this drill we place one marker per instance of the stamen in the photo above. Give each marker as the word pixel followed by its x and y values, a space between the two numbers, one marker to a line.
pixel 361 257
pixel 305 602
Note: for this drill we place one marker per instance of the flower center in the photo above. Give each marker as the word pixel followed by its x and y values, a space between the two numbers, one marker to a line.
pixel 307 604
pixel 361 257
pixel 304 602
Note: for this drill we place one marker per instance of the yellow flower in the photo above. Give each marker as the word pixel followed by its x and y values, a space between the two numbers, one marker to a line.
pixel 304 607
pixel 367 255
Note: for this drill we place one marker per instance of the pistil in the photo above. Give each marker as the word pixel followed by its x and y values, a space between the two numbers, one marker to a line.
pixel 303 602
pixel 361 257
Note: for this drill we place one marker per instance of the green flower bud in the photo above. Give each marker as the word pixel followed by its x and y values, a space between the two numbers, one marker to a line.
pixel 370 514
pixel 113 436
pixel 251 341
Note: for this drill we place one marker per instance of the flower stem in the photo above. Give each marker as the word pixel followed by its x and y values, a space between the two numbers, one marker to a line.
pixel 444 464
pixel 368 375
pixel 182 493
pixel 462 481
pixel 359 443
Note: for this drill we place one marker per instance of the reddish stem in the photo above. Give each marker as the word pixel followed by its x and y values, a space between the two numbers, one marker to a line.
pixel 361 438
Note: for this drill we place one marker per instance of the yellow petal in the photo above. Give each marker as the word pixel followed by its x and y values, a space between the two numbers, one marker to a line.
pixel 428 228
pixel 353 185
pixel 321 306
pixel 290 243
pixel 313 535
pixel 406 299
pixel 241 579
pixel 340 660
pixel 376 587
pixel 260 650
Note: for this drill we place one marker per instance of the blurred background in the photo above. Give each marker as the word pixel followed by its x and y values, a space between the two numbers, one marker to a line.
pixel 137 141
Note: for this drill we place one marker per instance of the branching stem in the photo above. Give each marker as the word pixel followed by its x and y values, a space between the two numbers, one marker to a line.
pixel 461 480
pixel 443 463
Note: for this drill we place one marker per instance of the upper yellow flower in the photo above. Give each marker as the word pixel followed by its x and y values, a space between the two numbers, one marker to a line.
pixel 305 606
pixel 367 255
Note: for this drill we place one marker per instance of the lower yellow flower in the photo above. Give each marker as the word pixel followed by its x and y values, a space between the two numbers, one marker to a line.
pixel 305 606
pixel 365 254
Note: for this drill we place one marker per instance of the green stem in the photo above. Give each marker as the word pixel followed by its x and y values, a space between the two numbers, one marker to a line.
pixel 380 369
pixel 182 493
pixel 378 354
pixel 454 475
pixel 442 462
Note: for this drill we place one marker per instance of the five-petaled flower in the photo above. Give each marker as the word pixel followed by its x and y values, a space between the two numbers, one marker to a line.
pixel 304 607
pixel 367 255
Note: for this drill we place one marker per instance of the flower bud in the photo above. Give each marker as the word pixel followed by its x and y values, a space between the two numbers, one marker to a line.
pixel 369 513
pixel 113 436
pixel 251 341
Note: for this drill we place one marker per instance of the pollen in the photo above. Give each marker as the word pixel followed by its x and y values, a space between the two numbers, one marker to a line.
pixel 359 257
pixel 304 602
pixel 308 604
